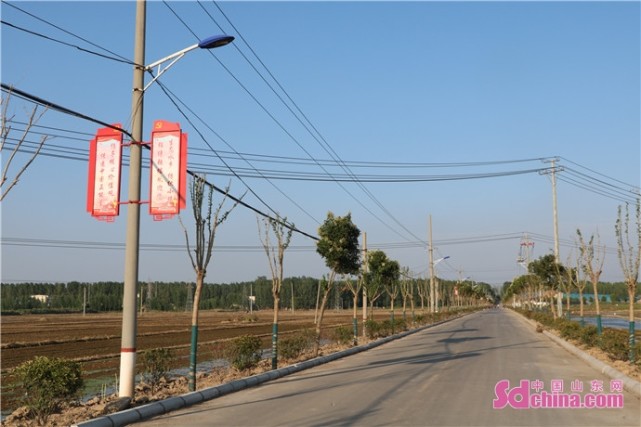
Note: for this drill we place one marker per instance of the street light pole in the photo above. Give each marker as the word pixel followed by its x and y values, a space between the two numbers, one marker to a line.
pixel 129 306
pixel 129 321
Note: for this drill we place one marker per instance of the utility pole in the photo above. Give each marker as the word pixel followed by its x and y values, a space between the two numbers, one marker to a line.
pixel 433 294
pixel 555 214
pixel 129 321
pixel 555 219
pixel 365 269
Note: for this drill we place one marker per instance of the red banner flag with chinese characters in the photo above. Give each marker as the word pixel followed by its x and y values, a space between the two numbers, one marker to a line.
pixel 168 177
pixel 103 189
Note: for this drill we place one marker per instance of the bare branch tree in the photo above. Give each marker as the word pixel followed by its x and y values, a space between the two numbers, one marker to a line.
pixel 206 225
pixel 629 259
pixel 407 292
pixel 275 256
pixel 7 183
pixel 592 259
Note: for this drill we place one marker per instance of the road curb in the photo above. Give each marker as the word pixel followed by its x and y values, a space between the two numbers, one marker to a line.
pixel 630 384
pixel 150 410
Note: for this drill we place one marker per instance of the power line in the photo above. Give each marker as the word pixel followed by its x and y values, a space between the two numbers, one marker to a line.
pixel 123 59
pixel 322 141
pixel 636 187
pixel 66 44
pixel 65 110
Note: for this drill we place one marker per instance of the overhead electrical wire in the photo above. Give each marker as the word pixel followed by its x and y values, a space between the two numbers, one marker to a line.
pixel 274 118
pixel 590 184
pixel 65 110
pixel 328 149
pixel 77 244
pixel 65 43
pixel 114 56
pixel 624 195
pixel 636 187
pixel 54 150
pixel 231 171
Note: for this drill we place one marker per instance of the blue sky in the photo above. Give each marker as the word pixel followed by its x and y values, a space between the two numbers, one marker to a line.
pixel 402 88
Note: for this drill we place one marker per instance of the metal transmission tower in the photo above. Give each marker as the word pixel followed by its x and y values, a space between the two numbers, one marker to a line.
pixel 525 252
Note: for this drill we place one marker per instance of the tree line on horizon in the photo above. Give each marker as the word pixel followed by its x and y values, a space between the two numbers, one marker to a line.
pixel 177 296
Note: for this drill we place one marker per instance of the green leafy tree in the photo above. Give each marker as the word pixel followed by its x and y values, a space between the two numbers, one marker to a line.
pixel 549 273
pixel 338 245
pixel 374 280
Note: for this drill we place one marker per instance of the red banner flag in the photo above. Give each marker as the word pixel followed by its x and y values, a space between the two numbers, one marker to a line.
pixel 103 189
pixel 168 177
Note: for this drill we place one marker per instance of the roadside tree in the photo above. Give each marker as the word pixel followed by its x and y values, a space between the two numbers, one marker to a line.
pixel 338 245
pixel 592 259
pixel 207 220
pixel 630 259
pixel 275 255
pixel 17 144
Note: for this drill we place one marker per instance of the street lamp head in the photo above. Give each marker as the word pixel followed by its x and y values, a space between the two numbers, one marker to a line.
pixel 215 41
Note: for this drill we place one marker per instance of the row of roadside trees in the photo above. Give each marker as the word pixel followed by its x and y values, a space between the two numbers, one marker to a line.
pixel 337 244
pixel 547 278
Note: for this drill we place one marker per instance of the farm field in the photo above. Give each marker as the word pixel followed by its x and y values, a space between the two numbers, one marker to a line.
pixel 94 339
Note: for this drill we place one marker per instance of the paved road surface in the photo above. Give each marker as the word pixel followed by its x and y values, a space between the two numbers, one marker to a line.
pixel 442 376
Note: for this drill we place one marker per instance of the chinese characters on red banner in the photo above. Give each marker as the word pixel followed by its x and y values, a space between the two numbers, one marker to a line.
pixel 103 192
pixel 167 184
pixel 168 176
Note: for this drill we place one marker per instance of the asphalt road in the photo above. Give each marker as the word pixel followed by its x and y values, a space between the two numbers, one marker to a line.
pixel 442 376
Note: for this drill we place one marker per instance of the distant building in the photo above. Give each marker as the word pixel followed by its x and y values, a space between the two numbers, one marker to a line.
pixel 41 298
pixel 588 297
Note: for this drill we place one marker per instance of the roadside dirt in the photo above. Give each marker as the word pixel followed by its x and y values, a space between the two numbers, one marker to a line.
pixel 94 339
pixel 97 406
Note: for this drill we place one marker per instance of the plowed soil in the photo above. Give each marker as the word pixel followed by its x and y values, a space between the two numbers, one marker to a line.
pixel 95 339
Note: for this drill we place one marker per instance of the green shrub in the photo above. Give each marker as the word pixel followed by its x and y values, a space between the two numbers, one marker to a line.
pixel 387 328
pixel 295 345
pixel 155 365
pixel 344 335
pixel 568 329
pixel 544 318
pixel 48 383
pixel 400 325
pixel 589 335
pixel 373 329
pixel 615 343
pixel 244 352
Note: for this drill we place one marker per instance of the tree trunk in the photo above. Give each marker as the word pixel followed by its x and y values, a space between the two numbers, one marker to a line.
pixel 275 331
pixel 355 319
pixel 631 349
pixel 581 306
pixel 599 327
pixel 412 308
pixel 319 323
pixel 200 276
